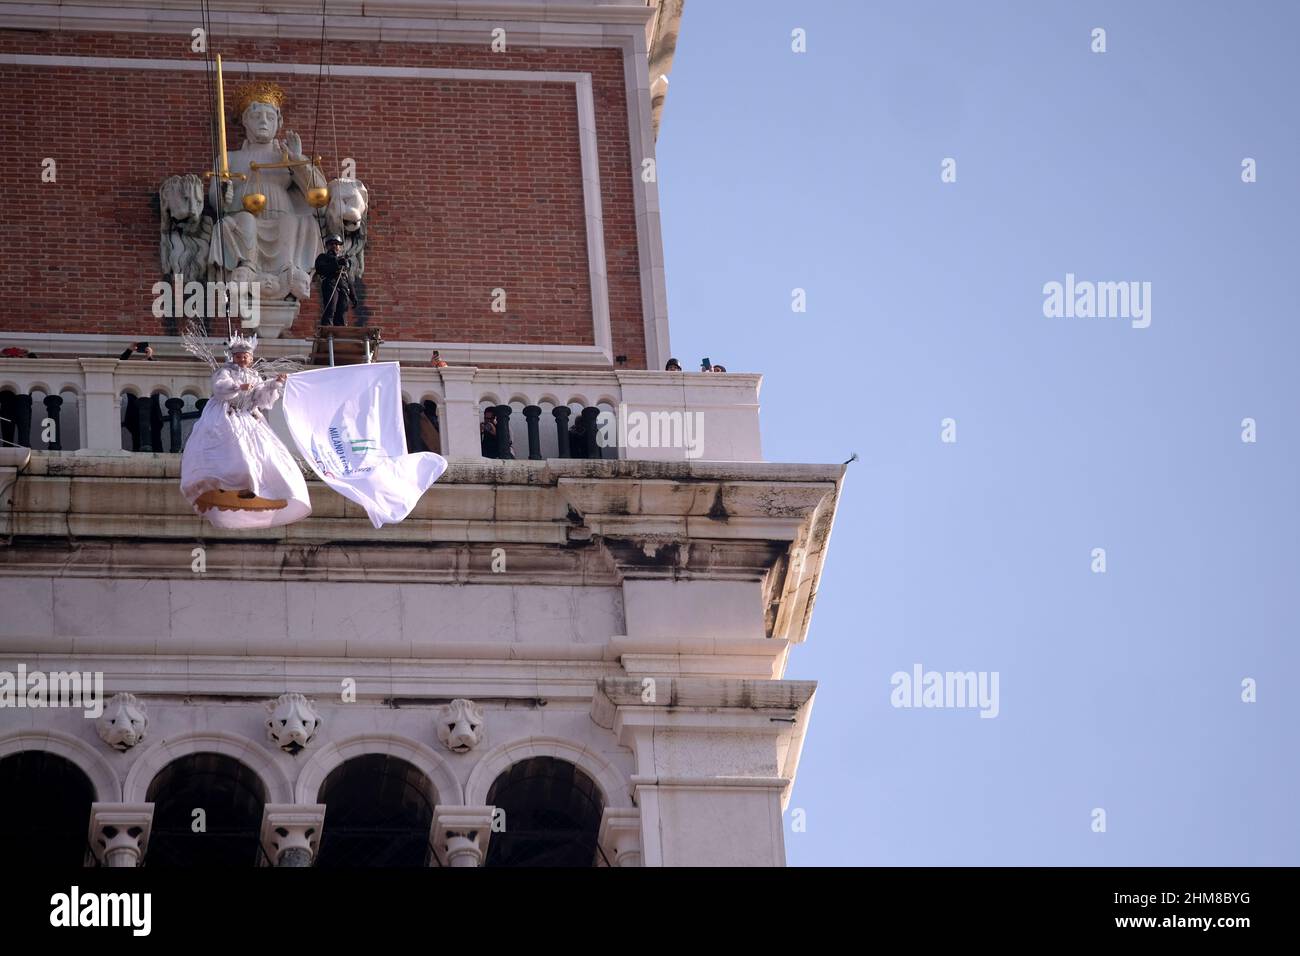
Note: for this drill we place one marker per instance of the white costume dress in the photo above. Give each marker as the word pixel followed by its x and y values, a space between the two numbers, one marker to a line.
pixel 233 448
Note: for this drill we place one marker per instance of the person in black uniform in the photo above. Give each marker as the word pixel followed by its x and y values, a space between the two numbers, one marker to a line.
pixel 335 283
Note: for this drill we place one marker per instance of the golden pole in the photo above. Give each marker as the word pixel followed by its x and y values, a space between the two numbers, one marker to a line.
pixel 221 122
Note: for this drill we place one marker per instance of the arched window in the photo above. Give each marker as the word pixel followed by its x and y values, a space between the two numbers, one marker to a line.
pixel 44 810
pixel 552 815
pixel 230 796
pixel 378 812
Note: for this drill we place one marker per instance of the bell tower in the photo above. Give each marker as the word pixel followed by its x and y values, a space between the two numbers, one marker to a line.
pixel 572 651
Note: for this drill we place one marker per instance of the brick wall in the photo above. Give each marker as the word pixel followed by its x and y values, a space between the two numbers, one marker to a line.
pixel 473 185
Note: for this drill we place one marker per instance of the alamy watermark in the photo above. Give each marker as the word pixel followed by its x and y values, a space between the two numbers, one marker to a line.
pixel 658 429
pixel 1084 299
pixel 129 910
pixel 195 300
pixel 84 689
pixel 946 689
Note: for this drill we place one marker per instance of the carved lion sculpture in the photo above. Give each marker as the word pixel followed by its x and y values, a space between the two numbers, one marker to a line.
pixel 293 722
pixel 123 723
pixel 186 232
pixel 345 216
pixel 460 726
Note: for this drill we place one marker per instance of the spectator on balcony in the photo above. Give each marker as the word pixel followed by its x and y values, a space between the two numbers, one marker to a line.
pixel 579 438
pixel 717 368
pixel 436 361
pixel 673 366
pixel 14 352
pixel 488 434
pixel 137 348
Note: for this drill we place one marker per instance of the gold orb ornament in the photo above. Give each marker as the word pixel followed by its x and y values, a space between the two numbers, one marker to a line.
pixel 255 202
pixel 318 197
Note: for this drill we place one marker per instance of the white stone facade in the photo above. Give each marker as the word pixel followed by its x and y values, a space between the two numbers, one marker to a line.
pixel 637 630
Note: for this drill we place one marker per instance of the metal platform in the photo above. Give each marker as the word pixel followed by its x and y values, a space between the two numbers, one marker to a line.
pixel 341 345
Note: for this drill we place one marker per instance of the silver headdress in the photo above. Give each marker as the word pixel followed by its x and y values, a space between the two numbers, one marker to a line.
pixel 238 343
pixel 196 343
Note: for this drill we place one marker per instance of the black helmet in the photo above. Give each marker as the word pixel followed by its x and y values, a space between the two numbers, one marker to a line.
pixel 330 240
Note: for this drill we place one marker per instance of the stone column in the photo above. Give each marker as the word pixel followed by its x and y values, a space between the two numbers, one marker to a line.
pixel 291 832
pixel 715 758
pixel 461 834
pixel 102 408
pixel 620 836
pixel 119 832
pixel 460 434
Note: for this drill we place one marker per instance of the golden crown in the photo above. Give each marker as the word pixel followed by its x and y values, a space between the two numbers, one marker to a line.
pixel 260 91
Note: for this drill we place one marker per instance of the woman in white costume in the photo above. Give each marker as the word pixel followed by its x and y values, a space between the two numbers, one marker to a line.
pixel 234 471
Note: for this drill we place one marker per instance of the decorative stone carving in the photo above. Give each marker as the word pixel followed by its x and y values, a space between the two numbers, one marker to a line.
pixel 186 232
pixel 346 216
pixel 293 722
pixel 119 832
pixel 291 832
pixel 123 723
pixel 460 726
pixel 620 836
pixel 460 834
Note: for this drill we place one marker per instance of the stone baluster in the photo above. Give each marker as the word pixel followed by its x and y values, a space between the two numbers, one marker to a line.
pixel 589 416
pixel 53 403
pixel 503 432
pixel 531 415
pixel 174 411
pixel 561 413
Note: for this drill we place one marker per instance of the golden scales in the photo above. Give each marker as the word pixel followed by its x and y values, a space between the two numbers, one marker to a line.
pixel 318 197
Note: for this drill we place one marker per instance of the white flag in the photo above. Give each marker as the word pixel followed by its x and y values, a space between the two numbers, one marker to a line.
pixel 347 422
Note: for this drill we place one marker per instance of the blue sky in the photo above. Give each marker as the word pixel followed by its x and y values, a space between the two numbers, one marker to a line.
pixel 1120 691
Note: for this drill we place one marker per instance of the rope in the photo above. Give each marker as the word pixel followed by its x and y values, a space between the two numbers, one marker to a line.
pixel 320 75
pixel 334 121
pixel 216 114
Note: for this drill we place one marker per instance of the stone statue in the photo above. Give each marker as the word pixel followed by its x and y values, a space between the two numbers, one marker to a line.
pixel 274 237
pixel 345 216
pixel 186 232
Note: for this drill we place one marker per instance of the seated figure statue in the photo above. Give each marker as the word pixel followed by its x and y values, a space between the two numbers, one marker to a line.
pixel 278 245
